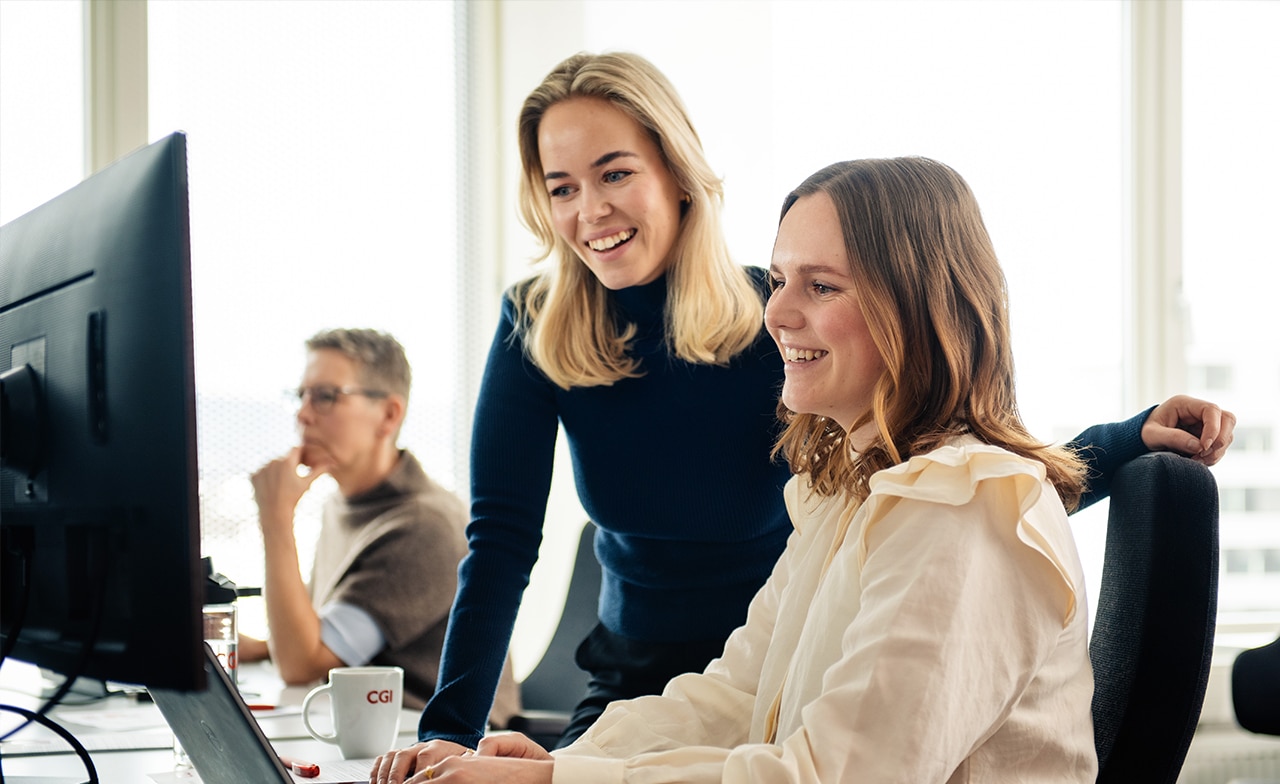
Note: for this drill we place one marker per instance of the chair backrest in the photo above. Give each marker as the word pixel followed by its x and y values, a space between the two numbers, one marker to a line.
pixel 1255 689
pixel 556 683
pixel 1152 638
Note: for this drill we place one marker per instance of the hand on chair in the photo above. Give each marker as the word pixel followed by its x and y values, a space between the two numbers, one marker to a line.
pixel 1192 427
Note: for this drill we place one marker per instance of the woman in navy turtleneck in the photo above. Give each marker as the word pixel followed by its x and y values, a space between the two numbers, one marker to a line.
pixel 644 340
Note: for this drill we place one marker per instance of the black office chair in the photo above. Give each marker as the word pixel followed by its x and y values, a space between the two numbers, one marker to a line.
pixel 1152 636
pixel 555 686
pixel 1255 689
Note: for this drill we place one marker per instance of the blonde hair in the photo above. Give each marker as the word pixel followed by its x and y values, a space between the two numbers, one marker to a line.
pixel 935 301
pixel 713 309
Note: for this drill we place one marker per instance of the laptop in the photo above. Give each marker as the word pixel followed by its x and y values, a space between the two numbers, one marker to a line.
pixel 223 739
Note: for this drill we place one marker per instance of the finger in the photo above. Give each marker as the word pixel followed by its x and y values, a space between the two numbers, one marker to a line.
pixel 1209 458
pixel 396 766
pixel 424 774
pixel 1217 451
pixel 1173 439
pixel 310 477
pixel 1210 426
pixel 383 769
pixel 292 463
pixel 436 751
pixel 510 744
pixel 1226 431
pixel 318 463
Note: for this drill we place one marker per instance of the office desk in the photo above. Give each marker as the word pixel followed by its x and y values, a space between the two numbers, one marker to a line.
pixel 258 682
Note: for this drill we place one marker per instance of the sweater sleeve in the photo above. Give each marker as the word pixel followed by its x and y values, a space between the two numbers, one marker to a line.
pixel 512 450
pixel 1106 448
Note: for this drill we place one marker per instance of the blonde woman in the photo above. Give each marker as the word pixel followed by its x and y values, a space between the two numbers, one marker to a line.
pixel 642 338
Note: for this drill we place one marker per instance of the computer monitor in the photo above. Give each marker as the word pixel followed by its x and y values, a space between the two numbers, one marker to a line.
pixel 99 511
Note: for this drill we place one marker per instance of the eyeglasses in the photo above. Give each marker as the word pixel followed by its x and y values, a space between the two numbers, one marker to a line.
pixel 323 397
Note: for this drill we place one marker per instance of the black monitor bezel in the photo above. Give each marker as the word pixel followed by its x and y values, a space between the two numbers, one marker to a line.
pixel 101 544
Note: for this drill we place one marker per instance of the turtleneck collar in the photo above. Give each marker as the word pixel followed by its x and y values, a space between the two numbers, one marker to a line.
pixel 643 304
pixel 404 478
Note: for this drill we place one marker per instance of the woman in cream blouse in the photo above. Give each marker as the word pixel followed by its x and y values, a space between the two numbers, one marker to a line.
pixel 927 621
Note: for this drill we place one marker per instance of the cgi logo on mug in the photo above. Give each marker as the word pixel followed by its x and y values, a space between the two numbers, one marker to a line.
pixel 364 706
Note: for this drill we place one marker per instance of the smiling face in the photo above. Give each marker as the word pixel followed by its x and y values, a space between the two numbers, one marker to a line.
pixel 814 315
pixel 612 197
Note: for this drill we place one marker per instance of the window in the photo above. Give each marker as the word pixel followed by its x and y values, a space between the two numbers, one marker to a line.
pixel 1032 120
pixel 1249 499
pixel 1255 562
pixel 1262 499
pixel 1211 378
pixel 1039 141
pixel 322 182
pixel 1231 277
pixel 41 119
pixel 1271 560
pixel 1238 561
pixel 1253 439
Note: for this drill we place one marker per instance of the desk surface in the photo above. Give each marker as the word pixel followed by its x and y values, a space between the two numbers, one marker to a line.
pixel 108 719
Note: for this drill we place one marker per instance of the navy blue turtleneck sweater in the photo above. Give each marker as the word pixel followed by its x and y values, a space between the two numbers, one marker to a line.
pixel 674 469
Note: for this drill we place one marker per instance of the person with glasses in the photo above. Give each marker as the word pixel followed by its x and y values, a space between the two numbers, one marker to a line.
pixel 386 560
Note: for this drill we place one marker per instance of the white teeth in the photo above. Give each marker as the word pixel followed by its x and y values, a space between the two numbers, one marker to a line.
pixel 801 354
pixel 611 242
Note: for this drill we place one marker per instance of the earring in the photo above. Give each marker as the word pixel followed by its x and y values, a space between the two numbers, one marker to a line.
pixel 687 198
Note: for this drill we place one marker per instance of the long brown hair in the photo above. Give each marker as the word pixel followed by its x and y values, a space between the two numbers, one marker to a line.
pixel 936 304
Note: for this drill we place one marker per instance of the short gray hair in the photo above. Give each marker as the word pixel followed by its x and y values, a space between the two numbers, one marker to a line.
pixel 379 357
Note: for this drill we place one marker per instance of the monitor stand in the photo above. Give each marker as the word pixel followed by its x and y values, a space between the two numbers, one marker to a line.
pixel 51 681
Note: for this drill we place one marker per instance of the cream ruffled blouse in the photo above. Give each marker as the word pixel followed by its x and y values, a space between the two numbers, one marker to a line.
pixel 935 634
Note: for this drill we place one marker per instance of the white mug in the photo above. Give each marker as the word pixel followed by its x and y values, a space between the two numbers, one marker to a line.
pixel 364 703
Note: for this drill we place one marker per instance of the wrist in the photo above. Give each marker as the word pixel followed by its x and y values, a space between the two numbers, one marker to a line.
pixel 276 520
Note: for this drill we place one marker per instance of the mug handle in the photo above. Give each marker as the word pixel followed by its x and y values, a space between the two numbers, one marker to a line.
pixel 306 716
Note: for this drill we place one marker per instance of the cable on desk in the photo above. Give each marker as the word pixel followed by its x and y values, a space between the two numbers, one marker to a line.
pixel 61 731
pixel 70 678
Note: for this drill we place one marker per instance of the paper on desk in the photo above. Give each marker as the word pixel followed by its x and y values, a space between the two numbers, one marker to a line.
pixel 172 777
pixel 331 772
pixel 340 772
pixel 140 717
